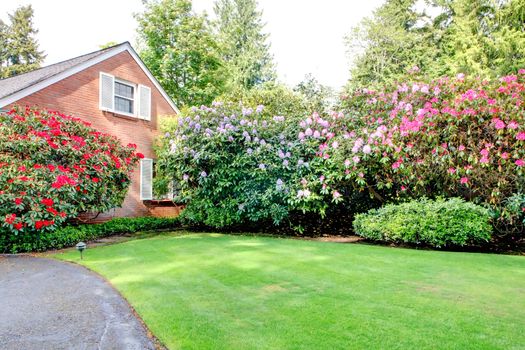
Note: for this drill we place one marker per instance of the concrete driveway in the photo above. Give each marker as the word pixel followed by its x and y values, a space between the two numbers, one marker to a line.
pixel 47 304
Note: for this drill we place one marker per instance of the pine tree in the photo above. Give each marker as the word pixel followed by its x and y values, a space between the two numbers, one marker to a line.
pixel 244 46
pixel 21 45
pixel 178 47
pixel 385 47
pixel 3 47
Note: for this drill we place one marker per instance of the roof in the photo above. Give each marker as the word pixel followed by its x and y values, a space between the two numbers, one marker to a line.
pixel 19 86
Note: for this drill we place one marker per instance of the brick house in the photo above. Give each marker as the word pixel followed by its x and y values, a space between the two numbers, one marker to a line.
pixel 114 91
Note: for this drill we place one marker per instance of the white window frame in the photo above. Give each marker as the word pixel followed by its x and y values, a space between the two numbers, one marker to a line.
pixel 137 88
pixel 134 100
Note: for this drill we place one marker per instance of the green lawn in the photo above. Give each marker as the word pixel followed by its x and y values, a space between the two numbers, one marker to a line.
pixel 211 291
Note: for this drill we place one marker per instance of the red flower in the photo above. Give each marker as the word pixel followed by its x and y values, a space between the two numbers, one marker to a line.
pixel 10 219
pixel 18 226
pixel 140 155
pixel 18 201
pixel 52 211
pixel 95 179
pixel 43 223
pixel 48 202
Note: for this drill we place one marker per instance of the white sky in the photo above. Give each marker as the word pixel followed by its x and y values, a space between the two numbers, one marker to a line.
pixel 306 35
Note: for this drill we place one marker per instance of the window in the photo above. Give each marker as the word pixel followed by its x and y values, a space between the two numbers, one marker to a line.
pixel 124 97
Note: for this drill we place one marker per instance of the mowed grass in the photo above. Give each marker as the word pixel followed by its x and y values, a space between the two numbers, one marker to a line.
pixel 211 291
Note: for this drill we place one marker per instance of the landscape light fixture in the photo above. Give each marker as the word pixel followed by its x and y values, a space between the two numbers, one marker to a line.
pixel 80 247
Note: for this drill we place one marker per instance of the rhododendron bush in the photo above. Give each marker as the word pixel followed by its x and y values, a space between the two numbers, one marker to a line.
pixel 52 167
pixel 233 165
pixel 454 137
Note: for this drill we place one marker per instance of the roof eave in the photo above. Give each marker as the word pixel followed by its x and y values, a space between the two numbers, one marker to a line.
pixel 7 100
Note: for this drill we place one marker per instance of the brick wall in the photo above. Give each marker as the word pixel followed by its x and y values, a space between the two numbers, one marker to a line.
pixel 78 95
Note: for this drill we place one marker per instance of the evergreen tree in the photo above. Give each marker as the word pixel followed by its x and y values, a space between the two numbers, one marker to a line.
pixel 319 97
pixel 389 44
pixel 478 37
pixel 466 36
pixel 244 45
pixel 3 47
pixel 179 48
pixel 20 52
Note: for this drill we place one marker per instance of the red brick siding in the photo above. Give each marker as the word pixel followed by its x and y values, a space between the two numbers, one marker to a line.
pixel 78 95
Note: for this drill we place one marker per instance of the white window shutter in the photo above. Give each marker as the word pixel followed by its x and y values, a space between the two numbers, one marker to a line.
pixel 107 92
pixel 146 179
pixel 144 102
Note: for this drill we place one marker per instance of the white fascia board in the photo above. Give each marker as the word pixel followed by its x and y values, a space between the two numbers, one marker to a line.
pixel 60 76
pixel 78 68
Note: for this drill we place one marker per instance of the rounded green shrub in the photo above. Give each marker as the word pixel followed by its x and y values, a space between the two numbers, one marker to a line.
pixel 436 223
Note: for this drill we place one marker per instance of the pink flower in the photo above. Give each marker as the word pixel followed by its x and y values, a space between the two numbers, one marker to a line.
pixel 451 170
pixel 367 149
pixel 356 159
pixel 484 152
pixel 521 136
pixel 347 162
pixel 484 160
pixel 513 124
pixel 464 180
pixel 505 155
pixel 461 148
pixel 519 162
pixel 336 194
pixel 498 123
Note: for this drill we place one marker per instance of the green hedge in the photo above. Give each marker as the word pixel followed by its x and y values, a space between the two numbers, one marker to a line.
pixel 436 223
pixel 70 235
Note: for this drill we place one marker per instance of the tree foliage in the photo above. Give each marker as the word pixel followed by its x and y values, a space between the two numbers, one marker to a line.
pixel 178 47
pixel 244 46
pixel 18 47
pixel 443 38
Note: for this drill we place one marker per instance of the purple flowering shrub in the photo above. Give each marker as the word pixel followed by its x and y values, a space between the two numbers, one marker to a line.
pixel 233 164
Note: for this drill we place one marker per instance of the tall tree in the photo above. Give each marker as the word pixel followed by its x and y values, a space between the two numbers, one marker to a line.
pixel 479 37
pixel 244 45
pixel 3 46
pixel 319 97
pixel 20 46
pixel 179 48
pixel 386 46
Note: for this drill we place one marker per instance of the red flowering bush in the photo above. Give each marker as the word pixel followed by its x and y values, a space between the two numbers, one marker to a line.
pixel 54 166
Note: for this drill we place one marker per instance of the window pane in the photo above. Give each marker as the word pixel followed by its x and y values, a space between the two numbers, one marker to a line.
pixel 123 105
pixel 123 90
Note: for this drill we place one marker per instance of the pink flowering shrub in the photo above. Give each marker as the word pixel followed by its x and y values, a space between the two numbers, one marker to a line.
pixel 456 137
pixel 54 166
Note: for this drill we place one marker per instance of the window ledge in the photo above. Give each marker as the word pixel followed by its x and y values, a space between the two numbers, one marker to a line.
pixel 125 116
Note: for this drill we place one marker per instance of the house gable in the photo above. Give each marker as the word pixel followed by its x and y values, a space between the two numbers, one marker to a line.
pixel 39 84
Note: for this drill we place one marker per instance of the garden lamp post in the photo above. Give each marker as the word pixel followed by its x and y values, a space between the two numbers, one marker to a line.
pixel 80 247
